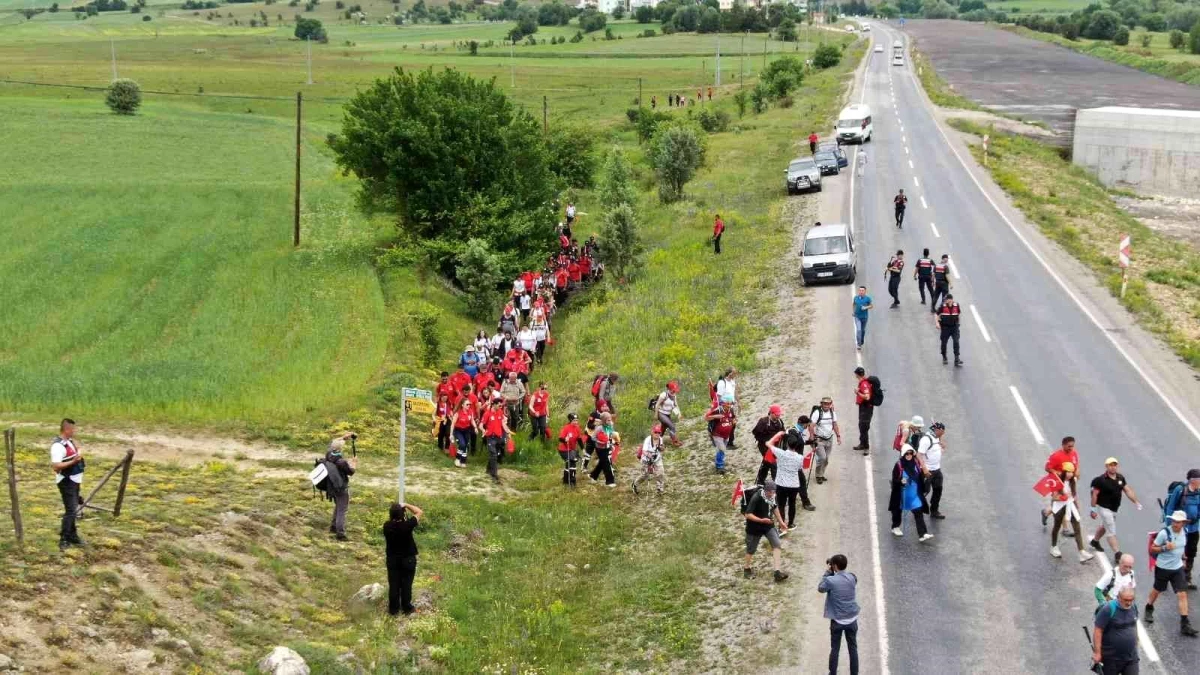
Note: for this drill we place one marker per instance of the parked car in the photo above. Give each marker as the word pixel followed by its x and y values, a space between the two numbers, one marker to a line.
pixel 878 49
pixel 828 254
pixel 802 174
pixel 828 162
pixel 897 60
pixel 843 160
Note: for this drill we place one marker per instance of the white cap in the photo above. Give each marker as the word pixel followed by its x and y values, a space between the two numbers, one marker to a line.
pixel 917 421
pixel 906 448
pixel 1179 517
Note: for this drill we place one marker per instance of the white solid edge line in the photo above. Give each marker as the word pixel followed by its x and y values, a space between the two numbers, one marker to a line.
pixel 1143 637
pixel 979 322
pixel 923 204
pixel 916 182
pixel 934 228
pixel 910 164
pixel 1037 435
pixel 906 149
pixel 953 267
pixel 1066 289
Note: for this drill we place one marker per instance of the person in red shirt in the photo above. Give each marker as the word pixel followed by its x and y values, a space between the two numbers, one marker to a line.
pixel 495 434
pixel 517 361
pixel 1065 453
pixel 444 387
pixel 570 442
pixel 585 267
pixel 721 422
pixel 812 142
pixel 539 410
pixel 575 271
pixel 718 230
pixel 862 396
pixel 464 425
pixel 528 277
pixel 606 441
pixel 561 277
pixel 442 413
pixel 484 379
pixel 460 380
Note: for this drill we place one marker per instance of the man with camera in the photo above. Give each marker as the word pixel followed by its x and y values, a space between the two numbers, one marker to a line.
pixel 67 462
pixel 341 500
pixel 841 608
pixel 1114 636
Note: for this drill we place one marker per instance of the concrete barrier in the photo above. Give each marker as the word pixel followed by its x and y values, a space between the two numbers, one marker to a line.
pixel 1150 150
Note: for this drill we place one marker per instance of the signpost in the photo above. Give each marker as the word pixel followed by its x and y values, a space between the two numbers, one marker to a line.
pixel 417 400
pixel 986 139
pixel 1124 252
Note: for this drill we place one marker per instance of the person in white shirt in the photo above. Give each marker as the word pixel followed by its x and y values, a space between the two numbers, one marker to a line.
pixel 483 349
pixel 68 464
pixel 825 428
pixel 518 287
pixel 1115 579
pixel 525 303
pixel 527 339
pixel 727 387
pixel 652 460
pixel 929 449
pixel 665 407
pixel 789 464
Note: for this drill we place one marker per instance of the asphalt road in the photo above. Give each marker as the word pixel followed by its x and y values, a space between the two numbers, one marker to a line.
pixel 1037 80
pixel 984 596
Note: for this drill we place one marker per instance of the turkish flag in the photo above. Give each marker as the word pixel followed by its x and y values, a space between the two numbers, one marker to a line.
pixel 737 492
pixel 807 461
pixel 509 446
pixel 1048 484
pixel 769 456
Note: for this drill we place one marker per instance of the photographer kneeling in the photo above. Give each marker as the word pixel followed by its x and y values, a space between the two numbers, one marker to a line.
pixel 841 608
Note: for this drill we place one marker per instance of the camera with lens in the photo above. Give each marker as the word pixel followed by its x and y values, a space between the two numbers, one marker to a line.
pixel 353 436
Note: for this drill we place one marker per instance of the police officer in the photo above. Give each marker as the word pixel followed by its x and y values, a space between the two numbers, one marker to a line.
pixel 941 283
pixel 894 267
pixel 924 275
pixel 67 462
pixel 947 321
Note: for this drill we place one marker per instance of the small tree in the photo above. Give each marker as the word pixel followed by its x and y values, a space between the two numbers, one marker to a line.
pixel 616 180
pixel 1103 25
pixel 758 98
pixel 622 244
pixel 572 155
pixel 1194 39
pixel 124 97
pixel 741 98
pixel 786 31
pixel 1176 39
pixel 676 151
pixel 827 56
pixel 479 273
pixel 310 29
pixel 1122 36
pixel 644 14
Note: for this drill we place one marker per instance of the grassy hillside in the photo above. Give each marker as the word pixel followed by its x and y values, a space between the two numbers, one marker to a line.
pixel 1019 7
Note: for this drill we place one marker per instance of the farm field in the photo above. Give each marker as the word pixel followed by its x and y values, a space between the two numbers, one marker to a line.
pixel 1019 7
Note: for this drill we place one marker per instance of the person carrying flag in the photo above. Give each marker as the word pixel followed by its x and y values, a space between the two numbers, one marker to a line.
pixel 606 441
pixel 570 442
pixel 721 430
pixel 539 413
pixel 767 431
pixel 1065 508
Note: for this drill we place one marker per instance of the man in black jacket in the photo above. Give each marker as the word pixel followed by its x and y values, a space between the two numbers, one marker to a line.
pixel 764 431
pixel 341 499
pixel 401 556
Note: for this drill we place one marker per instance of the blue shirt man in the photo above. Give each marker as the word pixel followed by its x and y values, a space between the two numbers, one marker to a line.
pixel 862 304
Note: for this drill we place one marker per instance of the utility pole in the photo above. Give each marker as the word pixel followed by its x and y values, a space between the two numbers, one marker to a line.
pixel 545 119
pixel 639 92
pixel 718 58
pixel 296 223
pixel 742 65
pixel 512 64
pixel 309 41
pixel 113 45
pixel 765 54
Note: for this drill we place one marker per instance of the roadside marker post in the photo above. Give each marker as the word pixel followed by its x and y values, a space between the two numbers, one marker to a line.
pixel 1124 252
pixel 986 138
pixel 417 400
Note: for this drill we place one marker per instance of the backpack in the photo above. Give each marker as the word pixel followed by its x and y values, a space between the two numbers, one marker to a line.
pixel 652 404
pixel 747 495
pixel 596 383
pixel 333 483
pixel 815 416
pixel 1172 489
pixel 1111 605
pixel 876 391
pixel 898 440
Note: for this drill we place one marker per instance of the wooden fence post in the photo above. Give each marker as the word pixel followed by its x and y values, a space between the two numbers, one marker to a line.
pixel 10 456
pixel 128 462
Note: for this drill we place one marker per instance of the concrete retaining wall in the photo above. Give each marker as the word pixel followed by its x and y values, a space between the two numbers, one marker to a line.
pixel 1150 150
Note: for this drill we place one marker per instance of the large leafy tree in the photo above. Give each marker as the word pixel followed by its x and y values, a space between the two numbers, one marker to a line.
pixel 453 158
pixel 677 150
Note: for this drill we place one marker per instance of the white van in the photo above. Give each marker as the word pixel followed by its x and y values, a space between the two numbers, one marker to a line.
pixel 854 124
pixel 828 254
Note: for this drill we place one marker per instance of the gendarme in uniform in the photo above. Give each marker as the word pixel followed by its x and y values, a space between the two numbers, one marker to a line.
pixel 63 450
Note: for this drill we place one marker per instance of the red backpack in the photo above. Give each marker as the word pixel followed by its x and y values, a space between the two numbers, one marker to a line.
pixel 596 384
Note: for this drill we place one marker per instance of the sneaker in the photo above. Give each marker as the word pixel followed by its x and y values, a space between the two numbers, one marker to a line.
pixel 610 485
pixel 593 479
pixel 782 576
pixel 809 507
pixel 958 363
pixel 1186 630
pixel 341 537
pixel 944 361
pixel 1055 552
pixel 747 572
pixel 1096 546
pixel 898 532
pixel 458 463
pixel 937 515
pixel 1148 615
pixel 860 446
pixel 1085 556
pixel 925 537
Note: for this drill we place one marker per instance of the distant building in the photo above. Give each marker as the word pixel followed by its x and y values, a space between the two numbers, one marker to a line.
pixel 634 4
pixel 605 6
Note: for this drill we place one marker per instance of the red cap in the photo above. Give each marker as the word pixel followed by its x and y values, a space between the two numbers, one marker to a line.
pixel 673 386
pixel 657 429
pixel 775 410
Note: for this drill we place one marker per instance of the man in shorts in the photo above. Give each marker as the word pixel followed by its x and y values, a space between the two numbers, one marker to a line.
pixel 1168 569
pixel 761 516
pixel 1107 490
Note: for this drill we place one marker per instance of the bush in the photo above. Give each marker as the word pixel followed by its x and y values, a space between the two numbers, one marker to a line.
pixel 644 14
pixel 145 17
pixel 1103 25
pixel 577 37
pixel 572 155
pixel 310 29
pixel 124 97
pixel 454 127
pixel 758 98
pixel 783 75
pixel 622 244
pixel 1146 41
pixel 632 114
pixel 426 318
pixel 786 30
pixel 1176 39
pixel 648 33
pixel 1183 17
pixel 616 180
pixel 480 275
pixel 591 20
pixel 1154 22
pixel 677 150
pixel 826 56
pixel 971 5
pixel 1194 39
pixel 713 121
pixel 648 122
pixel 1122 36
pixel 741 99
pixel 937 9
pixel 1070 30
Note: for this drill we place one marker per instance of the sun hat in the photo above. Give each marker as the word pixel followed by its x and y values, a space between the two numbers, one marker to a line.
pixel 917 421
pixel 1179 517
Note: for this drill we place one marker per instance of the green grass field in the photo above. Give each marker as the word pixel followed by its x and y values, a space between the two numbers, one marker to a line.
pixel 152 278
pixel 1020 7
pixel 1158 58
